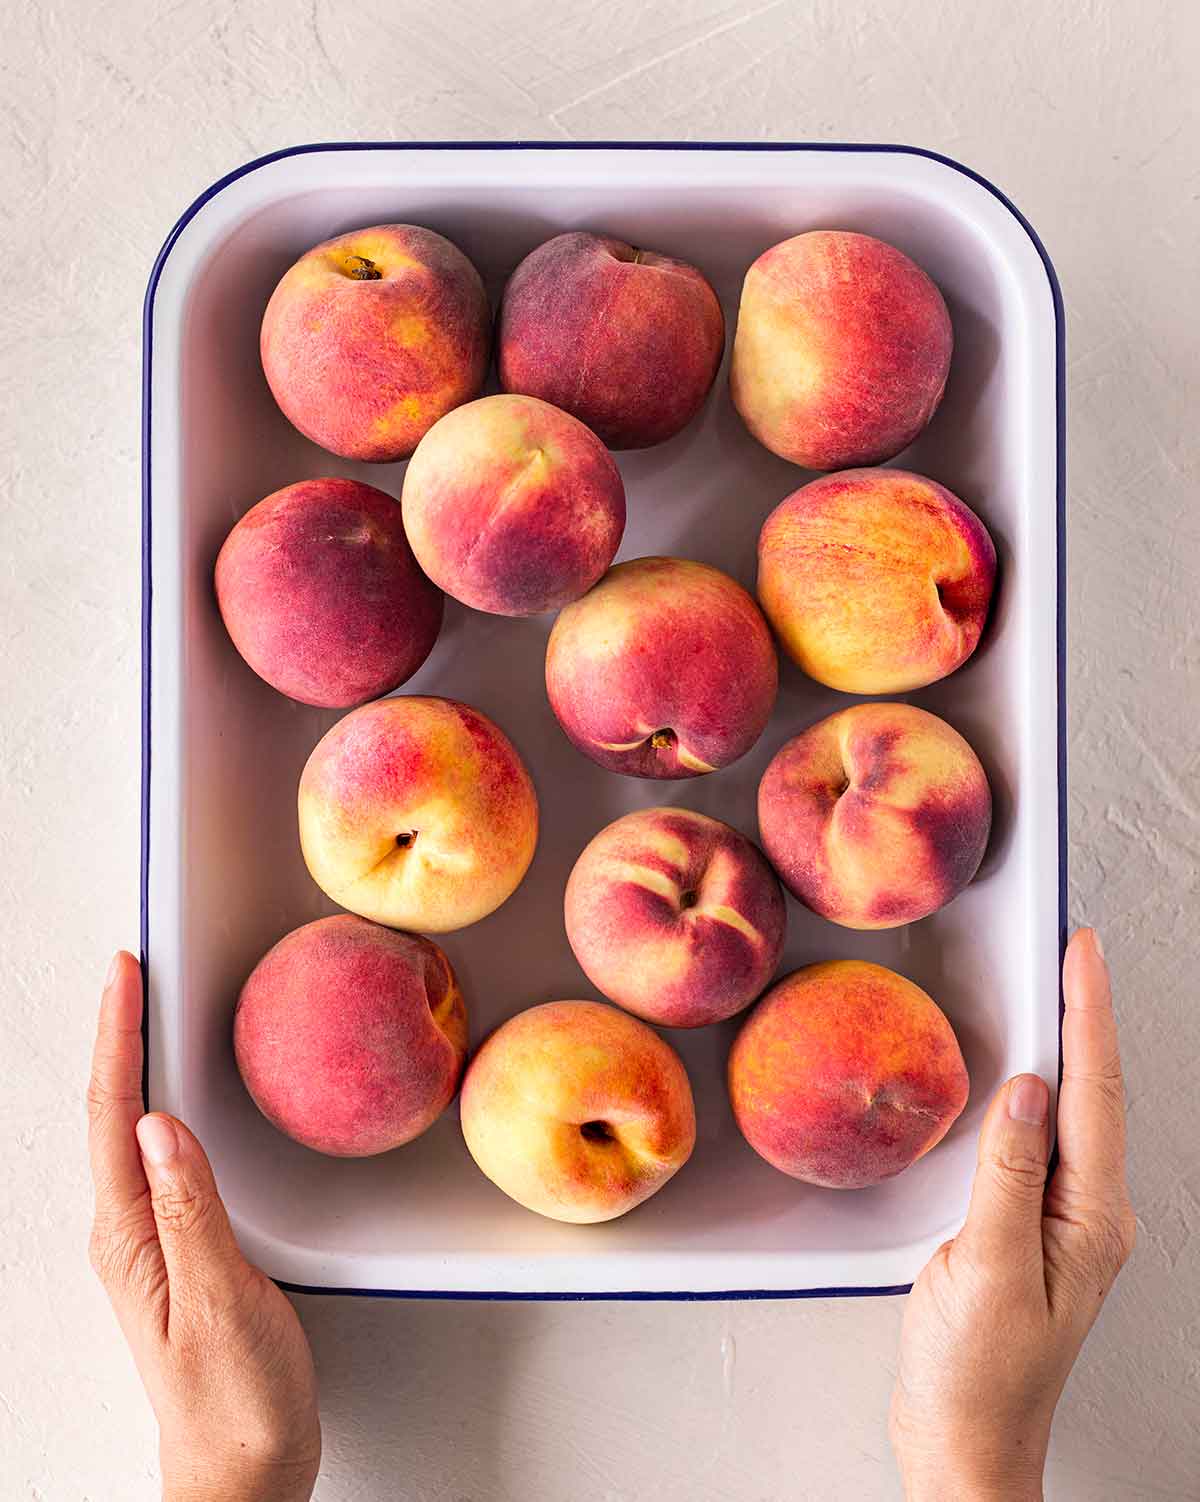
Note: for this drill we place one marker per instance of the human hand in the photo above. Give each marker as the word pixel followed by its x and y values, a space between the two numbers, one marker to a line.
pixel 219 1348
pixel 995 1321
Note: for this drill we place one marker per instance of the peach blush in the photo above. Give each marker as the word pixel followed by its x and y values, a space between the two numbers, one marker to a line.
pixel 675 916
pixel 371 337
pixel 875 816
pixel 665 668
pixel 845 1074
pixel 842 350
pixel 351 1038
pixel 512 506
pixel 321 594
pixel 624 339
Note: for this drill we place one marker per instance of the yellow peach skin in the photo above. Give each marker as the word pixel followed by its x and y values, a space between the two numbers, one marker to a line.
pixel 845 1074
pixel 418 813
pixel 877 581
pixel 577 1111
pixel 371 337
pixel 875 816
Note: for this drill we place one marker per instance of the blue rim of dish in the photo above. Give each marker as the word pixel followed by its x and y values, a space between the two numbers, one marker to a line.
pixel 636 1296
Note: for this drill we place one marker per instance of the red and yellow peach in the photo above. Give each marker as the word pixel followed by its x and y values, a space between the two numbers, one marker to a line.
pixel 675 916
pixel 351 1038
pixel 626 340
pixel 665 668
pixel 877 581
pixel 321 594
pixel 845 1074
pixel 875 816
pixel 417 812
pixel 371 337
pixel 512 506
pixel 578 1111
pixel 842 350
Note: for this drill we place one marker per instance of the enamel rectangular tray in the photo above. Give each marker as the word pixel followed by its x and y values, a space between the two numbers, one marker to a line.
pixel 222 874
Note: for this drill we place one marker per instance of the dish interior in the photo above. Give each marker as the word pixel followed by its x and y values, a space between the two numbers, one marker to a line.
pixel 226 876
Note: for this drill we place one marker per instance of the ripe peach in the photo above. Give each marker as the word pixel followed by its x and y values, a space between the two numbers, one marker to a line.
pixel 875 816
pixel 877 581
pixel 513 506
pixel 665 669
pixel 417 812
pixel 578 1111
pixel 322 596
pixel 675 916
pixel 351 1038
pixel 626 340
pixel 844 1074
pixel 371 337
pixel 842 350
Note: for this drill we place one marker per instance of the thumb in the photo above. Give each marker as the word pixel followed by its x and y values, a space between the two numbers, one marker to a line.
pixel 1004 1223
pixel 201 1256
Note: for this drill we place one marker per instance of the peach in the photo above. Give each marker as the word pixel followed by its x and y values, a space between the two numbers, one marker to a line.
pixel 513 506
pixel 675 916
pixel 371 337
pixel 844 1074
pixel 876 581
pixel 626 340
pixel 321 594
pixel 841 352
pixel 351 1038
pixel 578 1111
pixel 875 816
pixel 665 669
pixel 417 812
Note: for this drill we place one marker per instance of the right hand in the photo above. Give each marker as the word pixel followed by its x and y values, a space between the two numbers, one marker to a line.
pixel 219 1348
pixel 995 1321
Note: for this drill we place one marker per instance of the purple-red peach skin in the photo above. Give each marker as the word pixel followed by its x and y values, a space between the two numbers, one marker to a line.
pixel 351 1038
pixel 626 340
pixel 321 594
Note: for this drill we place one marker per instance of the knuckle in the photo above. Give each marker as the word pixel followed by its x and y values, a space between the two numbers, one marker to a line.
pixel 179 1208
pixel 1018 1170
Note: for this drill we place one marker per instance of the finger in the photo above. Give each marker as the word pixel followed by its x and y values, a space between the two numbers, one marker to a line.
pixel 202 1258
pixel 1003 1231
pixel 1091 1104
pixel 114 1094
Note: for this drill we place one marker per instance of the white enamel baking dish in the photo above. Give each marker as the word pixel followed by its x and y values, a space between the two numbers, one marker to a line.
pixel 222 873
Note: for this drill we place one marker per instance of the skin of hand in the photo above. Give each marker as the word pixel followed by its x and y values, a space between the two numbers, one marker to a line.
pixel 218 1347
pixel 996 1320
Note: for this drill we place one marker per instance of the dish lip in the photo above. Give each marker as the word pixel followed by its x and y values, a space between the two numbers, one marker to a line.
pixel 777 147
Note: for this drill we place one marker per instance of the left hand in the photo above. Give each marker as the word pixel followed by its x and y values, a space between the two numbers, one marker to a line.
pixel 219 1348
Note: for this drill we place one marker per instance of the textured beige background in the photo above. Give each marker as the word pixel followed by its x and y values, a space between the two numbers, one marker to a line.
pixel 112 117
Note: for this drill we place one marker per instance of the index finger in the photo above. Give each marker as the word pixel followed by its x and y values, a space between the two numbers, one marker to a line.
pixel 1091 1103
pixel 114 1094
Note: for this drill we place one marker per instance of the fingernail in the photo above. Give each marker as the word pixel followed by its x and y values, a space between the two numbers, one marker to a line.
pixel 1029 1100
pixel 1097 942
pixel 110 979
pixel 157 1139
